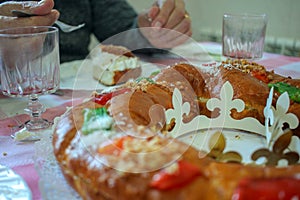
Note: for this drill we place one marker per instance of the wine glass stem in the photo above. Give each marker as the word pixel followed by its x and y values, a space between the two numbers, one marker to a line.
pixel 35 110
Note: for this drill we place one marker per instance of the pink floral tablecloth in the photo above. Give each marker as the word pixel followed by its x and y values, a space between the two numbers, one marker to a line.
pixel 20 156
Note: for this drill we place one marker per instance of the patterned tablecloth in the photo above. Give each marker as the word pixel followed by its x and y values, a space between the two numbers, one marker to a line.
pixel 75 87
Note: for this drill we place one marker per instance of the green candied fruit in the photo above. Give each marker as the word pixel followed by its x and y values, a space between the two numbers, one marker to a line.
pixel 155 73
pixel 145 78
pixel 293 92
pixel 95 120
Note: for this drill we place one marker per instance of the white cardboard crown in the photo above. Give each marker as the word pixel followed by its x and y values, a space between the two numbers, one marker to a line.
pixel 275 117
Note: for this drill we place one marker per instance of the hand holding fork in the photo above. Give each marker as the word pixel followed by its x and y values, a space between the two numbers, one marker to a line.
pixel 63 26
pixel 16 14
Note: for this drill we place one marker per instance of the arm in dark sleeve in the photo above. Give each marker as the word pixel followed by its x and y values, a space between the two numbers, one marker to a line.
pixel 115 22
pixel 111 17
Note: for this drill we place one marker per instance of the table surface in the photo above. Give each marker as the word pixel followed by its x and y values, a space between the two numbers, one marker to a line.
pixel 75 87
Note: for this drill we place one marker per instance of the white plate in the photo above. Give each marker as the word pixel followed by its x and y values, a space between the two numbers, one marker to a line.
pixel 12 186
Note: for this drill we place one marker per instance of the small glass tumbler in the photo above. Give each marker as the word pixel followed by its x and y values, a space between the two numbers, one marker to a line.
pixel 243 35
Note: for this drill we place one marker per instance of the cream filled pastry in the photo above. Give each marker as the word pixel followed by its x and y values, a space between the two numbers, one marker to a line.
pixel 114 64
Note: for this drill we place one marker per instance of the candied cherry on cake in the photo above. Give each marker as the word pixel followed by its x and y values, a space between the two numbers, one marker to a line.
pixel 102 99
pixel 113 147
pixel 260 75
pixel 185 174
pixel 281 188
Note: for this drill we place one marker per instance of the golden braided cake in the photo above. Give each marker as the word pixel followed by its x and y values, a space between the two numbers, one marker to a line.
pixel 114 146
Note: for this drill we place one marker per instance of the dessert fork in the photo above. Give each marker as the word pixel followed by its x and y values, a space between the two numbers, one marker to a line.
pixel 63 26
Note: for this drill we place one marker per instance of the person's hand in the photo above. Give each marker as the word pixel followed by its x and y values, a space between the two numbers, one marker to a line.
pixel 170 21
pixel 43 10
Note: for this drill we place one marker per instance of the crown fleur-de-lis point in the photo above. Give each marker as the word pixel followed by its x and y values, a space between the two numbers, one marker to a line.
pixel 278 151
pixel 279 118
pixel 269 117
pixel 217 144
pixel 226 102
pixel 182 108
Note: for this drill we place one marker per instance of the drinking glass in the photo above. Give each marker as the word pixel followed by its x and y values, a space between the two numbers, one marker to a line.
pixel 29 67
pixel 243 35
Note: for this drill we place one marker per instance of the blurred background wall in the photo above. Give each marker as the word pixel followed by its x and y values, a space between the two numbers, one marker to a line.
pixel 283 29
